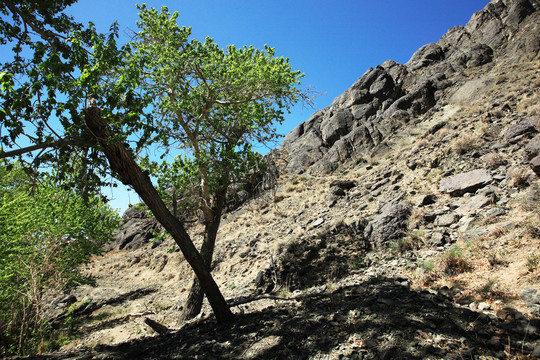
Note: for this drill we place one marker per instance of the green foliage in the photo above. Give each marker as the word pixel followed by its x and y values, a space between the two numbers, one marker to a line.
pixel 57 66
pixel 212 102
pixel 44 236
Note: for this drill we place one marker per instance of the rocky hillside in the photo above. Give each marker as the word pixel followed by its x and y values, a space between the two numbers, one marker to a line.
pixel 404 223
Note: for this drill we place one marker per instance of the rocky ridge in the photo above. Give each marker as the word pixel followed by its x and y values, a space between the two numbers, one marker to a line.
pixel 404 224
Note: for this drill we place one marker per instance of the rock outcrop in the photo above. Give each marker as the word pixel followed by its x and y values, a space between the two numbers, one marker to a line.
pixel 359 122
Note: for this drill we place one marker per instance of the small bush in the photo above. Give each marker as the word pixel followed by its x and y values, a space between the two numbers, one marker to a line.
pixel 409 242
pixel 493 160
pixel 465 143
pixel 517 177
pixel 454 261
pixel 533 261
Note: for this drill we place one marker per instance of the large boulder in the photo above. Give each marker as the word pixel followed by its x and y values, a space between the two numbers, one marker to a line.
pixel 426 55
pixel 389 223
pixel 462 183
pixel 335 126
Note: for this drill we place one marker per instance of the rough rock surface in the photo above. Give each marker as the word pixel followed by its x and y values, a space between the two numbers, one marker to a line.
pixel 357 123
pixel 389 223
pixel 462 183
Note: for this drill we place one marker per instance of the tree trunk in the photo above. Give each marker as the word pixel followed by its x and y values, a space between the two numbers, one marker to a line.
pixel 194 301
pixel 123 164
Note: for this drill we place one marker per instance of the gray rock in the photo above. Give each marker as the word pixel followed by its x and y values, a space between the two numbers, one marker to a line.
pixel 495 212
pixel 536 351
pixel 439 239
pixel 522 129
pixel 336 191
pixel 135 233
pixel 389 223
pixel 535 165
pixel 336 126
pixel 518 11
pixel 531 296
pixel 343 184
pixel 426 200
pixel 531 150
pixel 445 219
pixel 426 55
pixel 132 213
pixel 471 205
pixel 479 55
pixel 462 183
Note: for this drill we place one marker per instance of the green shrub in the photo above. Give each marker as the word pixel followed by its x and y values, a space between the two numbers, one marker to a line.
pixel 45 233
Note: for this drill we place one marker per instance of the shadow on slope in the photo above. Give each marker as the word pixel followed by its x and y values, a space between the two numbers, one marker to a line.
pixel 376 319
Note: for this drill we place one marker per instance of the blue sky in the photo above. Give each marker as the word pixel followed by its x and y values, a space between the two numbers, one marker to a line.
pixel 332 42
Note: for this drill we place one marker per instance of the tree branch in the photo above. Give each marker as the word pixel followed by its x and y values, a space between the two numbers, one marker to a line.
pixel 45 34
pixel 54 144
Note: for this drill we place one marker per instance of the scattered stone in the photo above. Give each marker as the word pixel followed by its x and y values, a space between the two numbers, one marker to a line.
pixel 445 219
pixel 462 183
pixel 497 211
pixel 439 239
pixel 531 150
pixel 483 306
pixel 535 165
pixel 426 200
pixel 523 129
pixel 317 222
pixel 471 205
pixel 343 184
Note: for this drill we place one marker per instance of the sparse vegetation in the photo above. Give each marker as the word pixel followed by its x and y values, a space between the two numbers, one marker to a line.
pixel 454 260
pixel 533 261
pixel 465 143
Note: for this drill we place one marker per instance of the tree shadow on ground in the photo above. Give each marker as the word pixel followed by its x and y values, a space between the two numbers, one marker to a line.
pixel 378 319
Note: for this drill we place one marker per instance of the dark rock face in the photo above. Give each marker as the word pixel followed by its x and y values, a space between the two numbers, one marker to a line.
pixel 137 231
pixel 359 121
pixel 389 223
pixel 460 184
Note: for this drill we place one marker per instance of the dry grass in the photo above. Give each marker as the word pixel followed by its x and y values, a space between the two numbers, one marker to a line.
pixel 465 143
pixel 530 104
pixel 517 177
pixel 493 160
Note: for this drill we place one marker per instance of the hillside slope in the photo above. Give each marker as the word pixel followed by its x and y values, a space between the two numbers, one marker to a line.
pixel 404 223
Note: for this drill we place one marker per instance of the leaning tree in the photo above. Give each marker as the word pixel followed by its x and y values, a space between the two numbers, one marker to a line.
pixel 50 89
pixel 70 91
pixel 213 104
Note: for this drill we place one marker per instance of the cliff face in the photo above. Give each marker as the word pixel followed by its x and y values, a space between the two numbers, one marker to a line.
pixel 360 122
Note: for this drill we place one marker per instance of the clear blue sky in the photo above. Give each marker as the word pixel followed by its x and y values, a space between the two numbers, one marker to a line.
pixel 332 42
